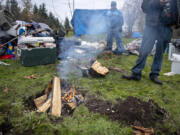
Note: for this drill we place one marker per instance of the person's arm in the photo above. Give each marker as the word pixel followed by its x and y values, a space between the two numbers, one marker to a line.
pixel 121 18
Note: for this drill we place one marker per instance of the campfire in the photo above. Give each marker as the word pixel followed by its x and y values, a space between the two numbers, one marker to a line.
pixel 58 95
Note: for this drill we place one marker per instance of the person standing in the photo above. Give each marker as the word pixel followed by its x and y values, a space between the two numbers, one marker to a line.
pixel 115 23
pixel 160 16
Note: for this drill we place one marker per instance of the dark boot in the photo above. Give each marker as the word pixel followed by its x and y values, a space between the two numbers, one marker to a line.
pixel 156 80
pixel 116 52
pixel 131 77
pixel 108 49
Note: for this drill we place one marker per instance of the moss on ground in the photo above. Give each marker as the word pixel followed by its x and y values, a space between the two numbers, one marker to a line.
pixel 13 109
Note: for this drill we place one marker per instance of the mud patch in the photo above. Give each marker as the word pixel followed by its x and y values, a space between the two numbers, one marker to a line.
pixel 131 111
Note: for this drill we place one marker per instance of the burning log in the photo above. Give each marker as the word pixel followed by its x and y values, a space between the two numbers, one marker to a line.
pixel 56 98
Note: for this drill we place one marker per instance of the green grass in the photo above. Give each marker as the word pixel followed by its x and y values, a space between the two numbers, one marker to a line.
pixel 14 110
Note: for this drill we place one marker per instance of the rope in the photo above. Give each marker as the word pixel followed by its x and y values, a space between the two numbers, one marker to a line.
pixel 3 45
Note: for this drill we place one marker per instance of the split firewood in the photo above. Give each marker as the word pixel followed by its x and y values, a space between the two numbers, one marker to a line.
pixel 98 68
pixel 45 106
pixel 56 98
pixel 40 101
pixel 48 88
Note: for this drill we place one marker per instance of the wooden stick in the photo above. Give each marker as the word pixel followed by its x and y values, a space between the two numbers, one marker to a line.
pixel 56 97
pixel 144 130
pixel 118 70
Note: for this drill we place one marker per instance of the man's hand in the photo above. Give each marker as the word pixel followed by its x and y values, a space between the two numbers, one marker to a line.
pixel 162 1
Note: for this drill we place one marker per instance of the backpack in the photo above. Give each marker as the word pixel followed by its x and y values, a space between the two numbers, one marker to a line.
pixel 169 14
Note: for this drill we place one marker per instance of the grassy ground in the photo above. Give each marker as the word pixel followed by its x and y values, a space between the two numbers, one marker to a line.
pixel 15 90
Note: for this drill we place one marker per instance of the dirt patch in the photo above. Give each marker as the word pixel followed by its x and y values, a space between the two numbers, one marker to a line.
pixel 131 111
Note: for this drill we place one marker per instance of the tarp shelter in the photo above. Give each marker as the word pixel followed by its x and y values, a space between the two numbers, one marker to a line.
pixel 88 22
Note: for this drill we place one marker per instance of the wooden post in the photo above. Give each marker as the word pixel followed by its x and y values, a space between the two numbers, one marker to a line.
pixel 56 97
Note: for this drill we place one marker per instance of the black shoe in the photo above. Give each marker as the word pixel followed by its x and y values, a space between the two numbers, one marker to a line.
pixel 131 77
pixel 108 49
pixel 156 80
pixel 116 52
pixel 125 53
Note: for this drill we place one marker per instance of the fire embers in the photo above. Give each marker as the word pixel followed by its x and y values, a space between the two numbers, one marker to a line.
pixel 59 98
pixel 72 99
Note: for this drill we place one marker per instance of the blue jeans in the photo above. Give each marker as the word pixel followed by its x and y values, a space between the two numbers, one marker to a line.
pixel 163 35
pixel 118 37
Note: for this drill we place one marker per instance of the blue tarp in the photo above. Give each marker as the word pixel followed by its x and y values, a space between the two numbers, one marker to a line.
pixel 87 22
pixel 136 35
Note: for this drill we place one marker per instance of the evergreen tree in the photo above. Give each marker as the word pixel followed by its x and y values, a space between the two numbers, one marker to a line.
pixel 35 9
pixel 27 11
pixel 67 25
pixel 43 11
pixel 15 10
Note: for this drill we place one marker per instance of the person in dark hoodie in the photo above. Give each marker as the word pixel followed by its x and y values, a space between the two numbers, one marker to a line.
pixel 157 29
pixel 115 23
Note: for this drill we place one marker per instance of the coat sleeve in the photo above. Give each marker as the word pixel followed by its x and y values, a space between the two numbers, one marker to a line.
pixel 121 18
pixel 149 5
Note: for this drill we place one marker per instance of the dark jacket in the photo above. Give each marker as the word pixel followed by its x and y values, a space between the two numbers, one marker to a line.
pixel 154 12
pixel 152 9
pixel 178 8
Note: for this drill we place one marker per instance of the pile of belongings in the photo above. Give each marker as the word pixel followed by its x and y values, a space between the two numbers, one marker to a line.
pixel 134 46
pixel 24 35
pixel 35 35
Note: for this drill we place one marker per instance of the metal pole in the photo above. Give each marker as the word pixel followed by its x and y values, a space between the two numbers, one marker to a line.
pixel 73 5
